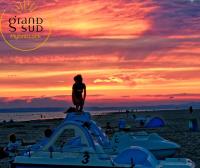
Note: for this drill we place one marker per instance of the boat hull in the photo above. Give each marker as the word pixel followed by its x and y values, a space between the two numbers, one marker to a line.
pixel 164 153
pixel 52 166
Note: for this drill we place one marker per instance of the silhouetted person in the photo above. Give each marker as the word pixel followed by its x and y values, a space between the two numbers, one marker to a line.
pixel 47 136
pixel 48 132
pixel 191 110
pixel 13 145
pixel 142 123
pixel 78 93
pixel 127 113
pixel 109 129
pixel 3 154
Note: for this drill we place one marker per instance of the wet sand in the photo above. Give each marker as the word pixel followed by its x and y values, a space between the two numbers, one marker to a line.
pixel 176 129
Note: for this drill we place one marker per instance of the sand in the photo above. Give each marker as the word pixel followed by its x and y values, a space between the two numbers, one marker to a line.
pixel 176 129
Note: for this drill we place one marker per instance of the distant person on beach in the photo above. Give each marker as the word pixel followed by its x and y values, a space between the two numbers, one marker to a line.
pixel 127 113
pixel 48 132
pixel 191 110
pixel 79 93
pixel 109 130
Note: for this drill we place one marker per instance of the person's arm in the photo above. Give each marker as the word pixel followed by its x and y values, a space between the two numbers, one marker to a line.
pixel 84 93
pixel 73 94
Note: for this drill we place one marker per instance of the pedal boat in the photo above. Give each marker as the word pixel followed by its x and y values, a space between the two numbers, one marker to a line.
pixel 75 143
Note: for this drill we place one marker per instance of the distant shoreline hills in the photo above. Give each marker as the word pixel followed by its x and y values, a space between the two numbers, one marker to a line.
pixel 104 109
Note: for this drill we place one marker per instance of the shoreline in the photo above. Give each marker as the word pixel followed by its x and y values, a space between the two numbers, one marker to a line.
pixel 17 116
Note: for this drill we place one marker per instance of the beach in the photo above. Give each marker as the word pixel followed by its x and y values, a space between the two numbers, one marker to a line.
pixel 175 129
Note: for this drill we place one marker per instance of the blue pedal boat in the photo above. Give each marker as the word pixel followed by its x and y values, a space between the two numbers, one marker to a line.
pixel 78 142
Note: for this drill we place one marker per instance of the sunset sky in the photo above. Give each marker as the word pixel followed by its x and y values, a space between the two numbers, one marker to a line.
pixel 128 51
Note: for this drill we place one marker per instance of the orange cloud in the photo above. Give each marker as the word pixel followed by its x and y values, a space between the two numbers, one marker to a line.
pixel 121 48
pixel 98 18
pixel 109 80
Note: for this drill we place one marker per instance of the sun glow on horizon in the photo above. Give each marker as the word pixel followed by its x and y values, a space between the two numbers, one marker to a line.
pixel 126 51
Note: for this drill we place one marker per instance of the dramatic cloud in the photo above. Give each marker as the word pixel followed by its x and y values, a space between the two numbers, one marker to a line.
pixel 123 49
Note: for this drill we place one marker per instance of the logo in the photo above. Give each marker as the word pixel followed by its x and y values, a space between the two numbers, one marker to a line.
pixel 24 27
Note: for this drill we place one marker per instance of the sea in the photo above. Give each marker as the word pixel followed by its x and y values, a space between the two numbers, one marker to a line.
pixel 27 114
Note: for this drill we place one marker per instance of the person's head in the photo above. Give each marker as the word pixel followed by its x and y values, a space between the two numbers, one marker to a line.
pixel 13 138
pixel 78 79
pixel 48 132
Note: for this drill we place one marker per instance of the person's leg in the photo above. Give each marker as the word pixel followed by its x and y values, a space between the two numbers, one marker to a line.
pixel 81 108
pixel 81 105
pixel 77 107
